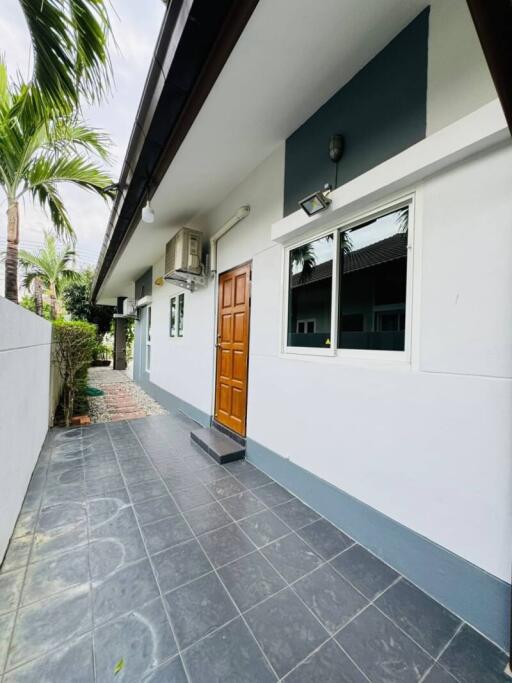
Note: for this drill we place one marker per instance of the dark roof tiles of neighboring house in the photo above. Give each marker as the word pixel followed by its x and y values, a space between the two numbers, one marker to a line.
pixel 389 249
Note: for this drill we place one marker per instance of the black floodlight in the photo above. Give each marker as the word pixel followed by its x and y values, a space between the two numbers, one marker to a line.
pixel 316 202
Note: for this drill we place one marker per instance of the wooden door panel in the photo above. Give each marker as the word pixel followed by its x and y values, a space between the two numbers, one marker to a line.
pixel 233 348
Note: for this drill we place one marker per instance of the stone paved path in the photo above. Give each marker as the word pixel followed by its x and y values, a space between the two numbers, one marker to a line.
pixel 123 399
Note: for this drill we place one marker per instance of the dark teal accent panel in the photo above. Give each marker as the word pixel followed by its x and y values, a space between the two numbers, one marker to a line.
pixel 144 285
pixel 380 112
pixel 474 595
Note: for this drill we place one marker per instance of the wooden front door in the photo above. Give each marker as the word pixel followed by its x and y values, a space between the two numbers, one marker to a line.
pixel 233 348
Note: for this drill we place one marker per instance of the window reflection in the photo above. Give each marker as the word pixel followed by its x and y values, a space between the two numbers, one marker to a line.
pixel 310 294
pixel 372 284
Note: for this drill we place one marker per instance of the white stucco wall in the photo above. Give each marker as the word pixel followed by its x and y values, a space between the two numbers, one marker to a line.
pixel 427 442
pixel 458 79
pixel 25 344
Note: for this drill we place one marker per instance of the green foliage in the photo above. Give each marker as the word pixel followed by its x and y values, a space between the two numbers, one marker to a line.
pixel 119 666
pixel 77 301
pixel 73 348
pixel 28 302
pixel 51 266
pixel 70 43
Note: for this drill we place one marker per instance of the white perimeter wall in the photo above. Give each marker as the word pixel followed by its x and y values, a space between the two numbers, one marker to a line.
pixel 25 344
pixel 426 443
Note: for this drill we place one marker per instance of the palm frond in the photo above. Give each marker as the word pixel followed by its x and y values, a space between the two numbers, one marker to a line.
pixel 70 41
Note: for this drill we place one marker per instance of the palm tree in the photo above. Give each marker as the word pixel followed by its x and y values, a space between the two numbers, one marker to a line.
pixel 70 43
pixel 37 155
pixel 51 268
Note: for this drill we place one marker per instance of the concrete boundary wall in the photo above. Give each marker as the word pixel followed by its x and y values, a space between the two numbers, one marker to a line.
pixel 25 353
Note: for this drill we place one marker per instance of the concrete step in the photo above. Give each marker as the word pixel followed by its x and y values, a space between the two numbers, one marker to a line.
pixel 221 447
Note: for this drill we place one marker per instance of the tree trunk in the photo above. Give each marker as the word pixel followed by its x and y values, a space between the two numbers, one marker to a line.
pixel 11 256
pixel 38 296
pixel 53 302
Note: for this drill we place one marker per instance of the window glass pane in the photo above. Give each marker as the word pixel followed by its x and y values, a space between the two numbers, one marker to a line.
pixel 149 323
pixel 373 275
pixel 310 294
pixel 181 312
pixel 172 320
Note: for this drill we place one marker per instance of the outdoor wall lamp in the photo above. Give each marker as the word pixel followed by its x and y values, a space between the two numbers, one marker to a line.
pixel 316 202
pixel 148 215
pixel 319 201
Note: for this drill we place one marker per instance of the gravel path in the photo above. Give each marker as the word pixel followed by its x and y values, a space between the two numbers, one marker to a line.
pixel 123 399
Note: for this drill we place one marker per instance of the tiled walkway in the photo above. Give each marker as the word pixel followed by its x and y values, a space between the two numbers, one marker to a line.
pixel 136 554
pixel 122 399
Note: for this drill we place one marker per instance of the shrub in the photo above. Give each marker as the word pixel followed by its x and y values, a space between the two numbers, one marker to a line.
pixel 73 348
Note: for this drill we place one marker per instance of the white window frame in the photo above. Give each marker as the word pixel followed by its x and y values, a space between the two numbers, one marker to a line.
pixel 408 200
pixel 148 339
pixel 176 299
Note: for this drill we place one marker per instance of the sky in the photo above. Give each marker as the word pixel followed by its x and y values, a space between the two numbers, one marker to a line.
pixel 135 26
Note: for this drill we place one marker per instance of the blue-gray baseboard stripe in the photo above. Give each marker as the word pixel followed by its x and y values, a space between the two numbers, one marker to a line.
pixel 474 595
pixel 172 402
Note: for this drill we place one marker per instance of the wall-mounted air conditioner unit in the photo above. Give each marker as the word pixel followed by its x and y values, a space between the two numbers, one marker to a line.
pixel 129 308
pixel 183 264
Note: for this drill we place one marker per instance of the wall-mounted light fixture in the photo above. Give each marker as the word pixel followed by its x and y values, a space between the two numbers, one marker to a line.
pixel 316 202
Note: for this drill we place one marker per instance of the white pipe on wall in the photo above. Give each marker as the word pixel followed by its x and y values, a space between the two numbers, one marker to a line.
pixel 242 213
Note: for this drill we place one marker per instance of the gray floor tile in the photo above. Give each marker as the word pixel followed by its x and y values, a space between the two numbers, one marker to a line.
pixel 106 469
pixel 285 629
pixel 172 672
pixel 31 501
pixel 211 474
pixel 57 495
pixel 142 639
pixel 10 589
pixel 104 509
pixel 296 514
pixel 121 531
pixel 48 545
pixel 129 587
pixel 47 577
pixel 102 487
pixel 325 538
pixel 426 621
pixel 250 580
pixel 198 608
pixel 229 654
pixel 223 488
pixel 330 597
pixel 190 498
pixel 61 517
pixel 365 571
pixel 381 650
pixel 25 524
pixel 178 481
pixel 6 626
pixel 291 557
pixel 178 565
pixel 155 509
pixel 329 664
pixel 226 544
pixel 17 553
pixel 72 663
pixel 264 528
pixel 207 518
pixel 273 494
pixel 243 504
pixel 439 675
pixel 473 659
pixel 166 533
pixel 45 625
pixel 252 478
pixel 147 490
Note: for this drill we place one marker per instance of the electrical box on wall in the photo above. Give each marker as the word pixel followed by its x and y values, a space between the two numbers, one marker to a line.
pixel 183 259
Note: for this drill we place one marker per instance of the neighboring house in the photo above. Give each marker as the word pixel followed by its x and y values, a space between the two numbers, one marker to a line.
pixel 363 352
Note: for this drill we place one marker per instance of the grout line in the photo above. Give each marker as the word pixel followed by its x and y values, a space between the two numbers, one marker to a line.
pixel 227 593
pixel 155 576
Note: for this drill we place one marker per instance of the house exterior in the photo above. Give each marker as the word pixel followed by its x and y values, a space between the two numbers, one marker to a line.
pixel 362 353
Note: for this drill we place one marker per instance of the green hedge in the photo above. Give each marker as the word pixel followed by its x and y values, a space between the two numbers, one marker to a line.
pixel 73 348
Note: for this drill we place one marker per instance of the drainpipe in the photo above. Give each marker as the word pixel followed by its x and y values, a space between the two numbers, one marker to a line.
pixel 242 213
